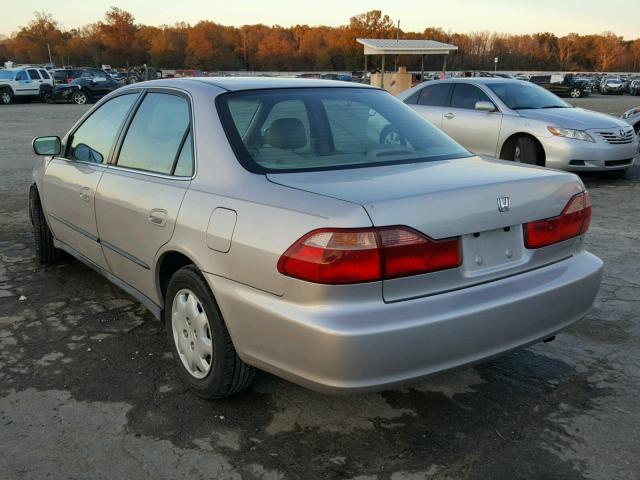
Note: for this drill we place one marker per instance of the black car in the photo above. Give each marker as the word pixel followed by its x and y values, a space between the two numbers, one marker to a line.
pixel 87 85
pixel 563 85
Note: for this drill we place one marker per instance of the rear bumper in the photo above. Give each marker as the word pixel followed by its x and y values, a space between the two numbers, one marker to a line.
pixel 576 155
pixel 364 346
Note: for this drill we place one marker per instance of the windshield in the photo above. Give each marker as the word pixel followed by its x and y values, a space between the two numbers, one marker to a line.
pixel 301 129
pixel 526 95
pixel 7 74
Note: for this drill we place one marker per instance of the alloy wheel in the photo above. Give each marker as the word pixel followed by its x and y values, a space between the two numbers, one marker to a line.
pixel 5 97
pixel 192 334
pixel 79 98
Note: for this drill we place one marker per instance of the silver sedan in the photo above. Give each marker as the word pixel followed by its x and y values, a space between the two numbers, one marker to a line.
pixel 520 121
pixel 269 223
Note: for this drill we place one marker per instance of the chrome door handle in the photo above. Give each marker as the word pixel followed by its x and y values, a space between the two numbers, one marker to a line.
pixel 85 194
pixel 158 217
pixel 449 116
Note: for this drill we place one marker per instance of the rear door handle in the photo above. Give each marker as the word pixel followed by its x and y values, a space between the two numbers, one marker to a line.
pixel 158 217
pixel 449 116
pixel 85 194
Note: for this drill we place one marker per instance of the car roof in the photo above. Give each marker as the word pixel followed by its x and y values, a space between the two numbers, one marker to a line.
pixel 249 83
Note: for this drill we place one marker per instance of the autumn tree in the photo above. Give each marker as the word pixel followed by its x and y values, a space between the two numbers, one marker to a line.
pixel 210 46
pixel 29 45
pixel 119 35
pixel 607 50
pixel 276 50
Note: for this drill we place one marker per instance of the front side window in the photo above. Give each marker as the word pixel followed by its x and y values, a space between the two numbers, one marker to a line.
pixel 22 75
pixel 93 140
pixel 434 95
pixel 465 96
pixel 157 134
pixel 300 129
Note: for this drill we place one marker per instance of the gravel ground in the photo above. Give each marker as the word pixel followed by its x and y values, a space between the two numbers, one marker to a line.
pixel 88 388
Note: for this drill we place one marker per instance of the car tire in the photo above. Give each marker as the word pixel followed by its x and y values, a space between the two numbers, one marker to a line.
pixel 6 96
pixel 188 297
pixel 524 151
pixel 575 93
pixel 46 93
pixel 80 97
pixel 46 253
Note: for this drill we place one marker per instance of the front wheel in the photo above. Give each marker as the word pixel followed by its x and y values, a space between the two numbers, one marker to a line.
pixel 6 96
pixel 200 342
pixel 575 93
pixel 79 98
pixel 525 151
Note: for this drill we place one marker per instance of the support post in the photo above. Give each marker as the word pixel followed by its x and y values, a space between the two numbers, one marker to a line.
pixel 444 65
pixel 422 68
pixel 382 78
pixel 364 73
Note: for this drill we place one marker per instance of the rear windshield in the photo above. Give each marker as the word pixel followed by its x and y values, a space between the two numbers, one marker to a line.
pixel 302 129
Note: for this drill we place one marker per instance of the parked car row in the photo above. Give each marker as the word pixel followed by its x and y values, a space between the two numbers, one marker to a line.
pixel 80 86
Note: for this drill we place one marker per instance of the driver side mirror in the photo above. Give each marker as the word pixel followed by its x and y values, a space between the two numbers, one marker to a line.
pixel 485 106
pixel 47 145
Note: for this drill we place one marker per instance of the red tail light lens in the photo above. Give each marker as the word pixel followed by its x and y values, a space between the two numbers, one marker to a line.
pixel 343 256
pixel 573 221
pixel 408 252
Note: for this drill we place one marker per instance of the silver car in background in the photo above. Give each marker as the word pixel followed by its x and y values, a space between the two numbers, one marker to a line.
pixel 520 121
pixel 269 224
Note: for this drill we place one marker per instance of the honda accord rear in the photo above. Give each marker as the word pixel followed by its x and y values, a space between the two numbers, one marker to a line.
pixel 318 230
pixel 414 256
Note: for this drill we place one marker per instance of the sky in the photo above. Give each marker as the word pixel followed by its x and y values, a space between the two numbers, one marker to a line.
pixel 507 16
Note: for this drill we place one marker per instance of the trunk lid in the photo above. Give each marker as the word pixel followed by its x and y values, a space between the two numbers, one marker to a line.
pixel 453 198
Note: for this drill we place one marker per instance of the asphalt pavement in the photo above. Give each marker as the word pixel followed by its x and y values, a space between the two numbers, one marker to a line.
pixel 88 388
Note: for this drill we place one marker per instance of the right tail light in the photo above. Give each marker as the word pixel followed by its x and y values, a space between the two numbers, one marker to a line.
pixel 573 221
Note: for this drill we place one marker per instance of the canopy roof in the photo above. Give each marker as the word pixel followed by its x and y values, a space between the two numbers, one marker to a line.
pixel 383 46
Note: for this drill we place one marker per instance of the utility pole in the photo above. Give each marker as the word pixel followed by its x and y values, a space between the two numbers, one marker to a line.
pixel 495 65
pixel 49 50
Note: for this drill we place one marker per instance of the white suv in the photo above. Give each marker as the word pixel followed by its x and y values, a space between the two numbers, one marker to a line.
pixel 25 83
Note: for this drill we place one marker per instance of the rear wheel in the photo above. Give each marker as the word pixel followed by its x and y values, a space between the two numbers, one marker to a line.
pixel 80 97
pixel 46 253
pixel 575 93
pixel 6 96
pixel 200 342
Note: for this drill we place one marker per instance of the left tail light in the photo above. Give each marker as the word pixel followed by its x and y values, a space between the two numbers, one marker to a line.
pixel 344 256
pixel 573 221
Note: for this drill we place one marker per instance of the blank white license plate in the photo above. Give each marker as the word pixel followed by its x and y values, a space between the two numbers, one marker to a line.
pixel 492 249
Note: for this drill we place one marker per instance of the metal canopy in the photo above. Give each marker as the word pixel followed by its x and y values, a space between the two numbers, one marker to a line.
pixel 383 46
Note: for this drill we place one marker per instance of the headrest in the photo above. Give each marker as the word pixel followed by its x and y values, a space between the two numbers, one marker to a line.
pixel 287 134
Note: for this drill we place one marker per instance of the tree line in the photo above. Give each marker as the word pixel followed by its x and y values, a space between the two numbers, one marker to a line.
pixel 119 41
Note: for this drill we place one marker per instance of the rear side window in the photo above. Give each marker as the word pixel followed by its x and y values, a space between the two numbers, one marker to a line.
pixel 44 74
pixel 33 73
pixel 434 95
pixel 92 142
pixel 465 96
pixel 155 138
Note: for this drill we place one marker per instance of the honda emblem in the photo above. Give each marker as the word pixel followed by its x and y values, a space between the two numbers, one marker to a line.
pixel 503 204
